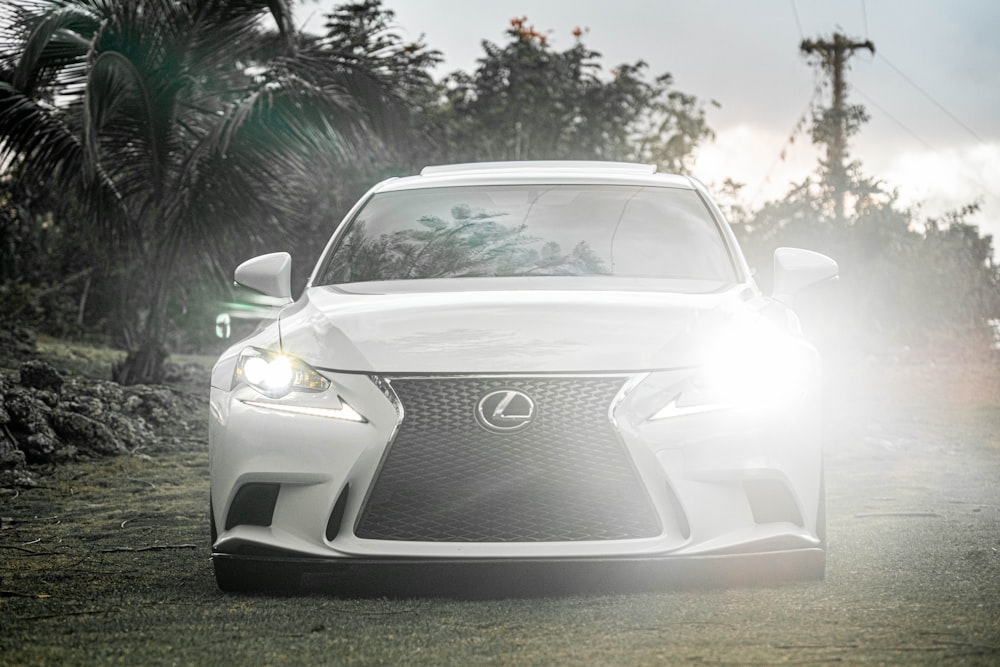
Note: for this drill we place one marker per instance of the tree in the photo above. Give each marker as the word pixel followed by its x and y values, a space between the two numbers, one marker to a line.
pixel 366 33
pixel 904 281
pixel 183 126
pixel 528 101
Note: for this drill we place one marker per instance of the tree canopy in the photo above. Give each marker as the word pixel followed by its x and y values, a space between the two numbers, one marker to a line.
pixel 181 128
pixel 528 101
pixel 149 145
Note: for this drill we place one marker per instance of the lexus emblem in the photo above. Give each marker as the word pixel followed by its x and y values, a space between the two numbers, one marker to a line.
pixel 505 411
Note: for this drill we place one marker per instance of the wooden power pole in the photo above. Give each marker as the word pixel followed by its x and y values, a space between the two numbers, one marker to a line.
pixel 833 55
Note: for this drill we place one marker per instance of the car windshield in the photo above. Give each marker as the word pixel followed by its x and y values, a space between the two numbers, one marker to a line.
pixel 531 230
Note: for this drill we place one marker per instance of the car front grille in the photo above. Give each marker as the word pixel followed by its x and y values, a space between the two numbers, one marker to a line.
pixel 566 477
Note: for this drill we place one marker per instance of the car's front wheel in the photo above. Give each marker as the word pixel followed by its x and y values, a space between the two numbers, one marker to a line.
pixel 819 572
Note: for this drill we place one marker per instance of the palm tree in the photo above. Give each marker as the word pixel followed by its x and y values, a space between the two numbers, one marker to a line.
pixel 182 125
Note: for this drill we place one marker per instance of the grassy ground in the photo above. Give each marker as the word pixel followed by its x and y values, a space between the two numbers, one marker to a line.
pixel 107 563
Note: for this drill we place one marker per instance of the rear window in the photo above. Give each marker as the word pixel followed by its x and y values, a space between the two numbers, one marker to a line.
pixel 517 230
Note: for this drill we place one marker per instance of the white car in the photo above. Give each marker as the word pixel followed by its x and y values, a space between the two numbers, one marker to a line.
pixel 560 370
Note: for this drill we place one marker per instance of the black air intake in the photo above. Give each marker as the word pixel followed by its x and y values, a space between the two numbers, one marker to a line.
pixel 253 505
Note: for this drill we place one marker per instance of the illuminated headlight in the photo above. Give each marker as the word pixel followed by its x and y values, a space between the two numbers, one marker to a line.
pixel 275 375
pixel 750 372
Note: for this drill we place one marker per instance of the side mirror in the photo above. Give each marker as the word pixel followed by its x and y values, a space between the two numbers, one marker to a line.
pixel 795 269
pixel 268 274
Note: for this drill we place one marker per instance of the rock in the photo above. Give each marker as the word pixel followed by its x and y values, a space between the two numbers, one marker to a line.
pixel 37 374
pixel 154 404
pixel 86 434
pixel 49 398
pixel 7 446
pixel 12 458
pixel 86 405
pixel 12 477
pixel 28 414
pixel 18 342
pixel 134 432
pixel 42 448
pixel 47 417
pixel 108 394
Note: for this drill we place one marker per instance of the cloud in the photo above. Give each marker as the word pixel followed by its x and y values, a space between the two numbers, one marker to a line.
pixel 941 180
pixel 933 182
pixel 764 161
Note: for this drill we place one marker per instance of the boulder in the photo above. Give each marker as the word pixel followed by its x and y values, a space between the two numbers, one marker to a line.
pixel 154 404
pixel 47 417
pixel 29 424
pixel 37 374
pixel 86 434
pixel 45 448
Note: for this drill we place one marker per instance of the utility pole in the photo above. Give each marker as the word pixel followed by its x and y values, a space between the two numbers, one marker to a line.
pixel 833 56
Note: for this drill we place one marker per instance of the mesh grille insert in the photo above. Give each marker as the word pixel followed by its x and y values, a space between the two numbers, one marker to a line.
pixel 567 477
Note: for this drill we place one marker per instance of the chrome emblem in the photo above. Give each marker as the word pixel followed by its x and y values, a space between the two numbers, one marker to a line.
pixel 505 411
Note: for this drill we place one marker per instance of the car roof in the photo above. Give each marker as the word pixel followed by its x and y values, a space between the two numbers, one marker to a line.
pixel 529 172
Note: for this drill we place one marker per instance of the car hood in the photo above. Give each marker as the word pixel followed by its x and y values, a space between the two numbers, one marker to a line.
pixel 507 331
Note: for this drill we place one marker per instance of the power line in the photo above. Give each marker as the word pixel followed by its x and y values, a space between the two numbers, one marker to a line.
pixel 971 174
pixel 892 118
pixel 783 153
pixel 930 97
pixel 798 23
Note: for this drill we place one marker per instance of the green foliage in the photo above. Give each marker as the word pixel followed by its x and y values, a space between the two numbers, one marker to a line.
pixel 528 101
pixel 182 128
pixel 46 282
pixel 186 137
pixel 928 284
pixel 45 306
pixel 362 35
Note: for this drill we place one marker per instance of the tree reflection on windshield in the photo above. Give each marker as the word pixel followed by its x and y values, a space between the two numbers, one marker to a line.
pixel 530 230
pixel 471 244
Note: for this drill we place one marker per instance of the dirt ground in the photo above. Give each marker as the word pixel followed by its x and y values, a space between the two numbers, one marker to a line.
pixel 107 563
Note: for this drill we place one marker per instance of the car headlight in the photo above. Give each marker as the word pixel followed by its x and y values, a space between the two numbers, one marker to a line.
pixel 275 374
pixel 761 370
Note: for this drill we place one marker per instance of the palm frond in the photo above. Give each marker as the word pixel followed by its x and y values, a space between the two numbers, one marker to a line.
pixel 50 41
pixel 48 151
pixel 115 81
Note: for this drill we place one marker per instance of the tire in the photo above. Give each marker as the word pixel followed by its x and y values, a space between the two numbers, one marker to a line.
pixel 211 524
pixel 819 571
pixel 821 512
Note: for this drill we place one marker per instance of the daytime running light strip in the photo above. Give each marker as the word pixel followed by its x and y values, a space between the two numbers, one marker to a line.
pixel 345 412
pixel 673 410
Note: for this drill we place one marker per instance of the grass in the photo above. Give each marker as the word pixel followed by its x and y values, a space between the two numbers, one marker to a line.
pixel 107 563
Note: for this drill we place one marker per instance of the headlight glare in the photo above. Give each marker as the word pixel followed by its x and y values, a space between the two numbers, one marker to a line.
pixel 275 374
pixel 761 372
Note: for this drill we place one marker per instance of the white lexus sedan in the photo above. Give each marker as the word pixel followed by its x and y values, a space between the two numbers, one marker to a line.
pixel 559 370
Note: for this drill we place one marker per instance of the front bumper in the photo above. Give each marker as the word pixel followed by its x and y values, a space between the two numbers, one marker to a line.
pixel 723 485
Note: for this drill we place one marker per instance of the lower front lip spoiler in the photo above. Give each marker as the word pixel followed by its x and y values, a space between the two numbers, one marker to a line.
pixel 511 577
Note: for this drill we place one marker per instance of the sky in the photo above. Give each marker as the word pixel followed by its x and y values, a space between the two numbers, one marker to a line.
pixel 932 88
